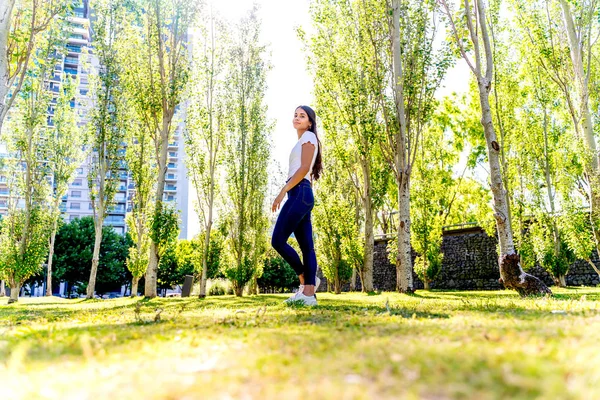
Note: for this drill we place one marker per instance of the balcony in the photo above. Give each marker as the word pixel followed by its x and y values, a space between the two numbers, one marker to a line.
pixel 71 71
pixel 72 60
pixel 172 165
pixel 171 177
pixel 170 188
pixel 174 144
pixel 115 220
pixel 74 49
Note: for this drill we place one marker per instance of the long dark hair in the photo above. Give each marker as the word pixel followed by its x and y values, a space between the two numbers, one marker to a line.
pixel 312 117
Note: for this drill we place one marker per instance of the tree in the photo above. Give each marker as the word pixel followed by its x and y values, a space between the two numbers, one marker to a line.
pixel 347 89
pixel 247 155
pixel 25 231
pixel 108 121
pixel 417 72
pixel 164 229
pixel 74 252
pixel 277 275
pixel 20 32
pixel 157 70
pixel 205 126
pixel 511 273
pixel 338 243
pixel 140 162
pixel 66 154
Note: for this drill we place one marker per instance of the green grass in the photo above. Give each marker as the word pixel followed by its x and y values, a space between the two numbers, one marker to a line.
pixel 432 345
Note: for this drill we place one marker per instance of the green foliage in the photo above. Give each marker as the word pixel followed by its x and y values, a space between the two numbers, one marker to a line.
pixel 73 256
pixel 23 244
pixel 339 245
pixel 215 253
pixel 277 276
pixel 164 226
pixel 247 156
pixel 217 289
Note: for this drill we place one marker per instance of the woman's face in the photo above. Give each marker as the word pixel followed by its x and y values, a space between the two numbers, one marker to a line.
pixel 301 121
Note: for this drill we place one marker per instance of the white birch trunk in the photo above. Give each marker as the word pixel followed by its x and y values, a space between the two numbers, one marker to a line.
pixel 203 279
pixel 404 279
pixel 404 268
pixel 2 289
pixel 150 289
pixel 6 8
pixel 95 259
pixel 582 83
pixel 369 235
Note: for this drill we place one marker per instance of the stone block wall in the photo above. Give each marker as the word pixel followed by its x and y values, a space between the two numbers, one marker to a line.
pixel 470 263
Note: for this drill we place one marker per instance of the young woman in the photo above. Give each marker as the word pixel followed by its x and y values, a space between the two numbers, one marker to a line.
pixel 304 168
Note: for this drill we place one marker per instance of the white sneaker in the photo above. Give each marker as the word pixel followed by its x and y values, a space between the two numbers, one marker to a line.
pixel 301 290
pixel 307 300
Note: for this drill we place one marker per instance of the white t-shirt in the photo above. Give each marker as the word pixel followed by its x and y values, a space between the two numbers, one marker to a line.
pixel 296 154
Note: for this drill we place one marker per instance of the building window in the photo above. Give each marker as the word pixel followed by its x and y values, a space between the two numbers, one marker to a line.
pixel 79 171
pixel 75 206
pixel 76 194
pixel 77 182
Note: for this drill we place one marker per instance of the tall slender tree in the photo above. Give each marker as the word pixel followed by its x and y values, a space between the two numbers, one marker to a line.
pixel 157 69
pixel 25 231
pixel 205 126
pixel 481 64
pixel 66 141
pixel 247 154
pixel 20 32
pixel 347 88
pixel 417 70
pixel 108 121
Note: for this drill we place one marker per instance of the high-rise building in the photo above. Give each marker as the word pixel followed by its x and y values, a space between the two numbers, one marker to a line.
pixel 77 202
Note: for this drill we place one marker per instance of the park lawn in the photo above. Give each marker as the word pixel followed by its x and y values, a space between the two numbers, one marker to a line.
pixel 432 345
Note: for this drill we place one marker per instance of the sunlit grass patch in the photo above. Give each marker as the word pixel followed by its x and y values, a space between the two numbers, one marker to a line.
pixel 438 344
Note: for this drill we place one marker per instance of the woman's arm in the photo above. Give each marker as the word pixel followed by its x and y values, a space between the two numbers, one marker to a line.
pixel 308 150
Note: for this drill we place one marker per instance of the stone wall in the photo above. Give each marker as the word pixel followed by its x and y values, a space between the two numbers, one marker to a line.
pixel 470 263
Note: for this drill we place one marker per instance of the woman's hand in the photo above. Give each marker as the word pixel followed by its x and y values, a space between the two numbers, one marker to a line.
pixel 277 201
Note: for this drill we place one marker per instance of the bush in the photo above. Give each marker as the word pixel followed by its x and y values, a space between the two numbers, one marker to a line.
pixel 277 276
pixel 217 289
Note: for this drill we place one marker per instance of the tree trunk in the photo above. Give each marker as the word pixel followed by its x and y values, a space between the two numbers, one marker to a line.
pixel 238 289
pixel 404 279
pixel 562 281
pixel 426 284
pixel 353 280
pixel 584 94
pixel 404 269
pixel 152 273
pixel 150 288
pixel 511 273
pixel 134 286
pixel 2 289
pixel 14 293
pixel 6 9
pixel 204 277
pixel 369 235
pixel 593 266
pixel 50 258
pixel 95 259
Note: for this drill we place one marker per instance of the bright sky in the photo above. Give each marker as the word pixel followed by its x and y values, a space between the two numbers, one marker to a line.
pixel 289 84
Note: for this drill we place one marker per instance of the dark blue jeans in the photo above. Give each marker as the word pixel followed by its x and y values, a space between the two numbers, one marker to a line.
pixel 295 218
